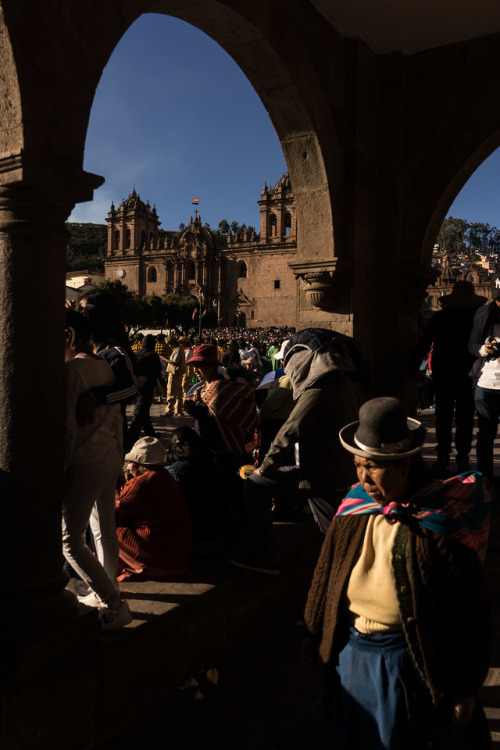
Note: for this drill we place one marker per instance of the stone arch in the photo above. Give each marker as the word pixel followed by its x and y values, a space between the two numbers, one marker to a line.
pixel 273 226
pixel 472 276
pixel 242 270
pixel 170 275
pixel 292 96
pixel 190 270
pixel 453 187
pixel 11 119
pixel 152 276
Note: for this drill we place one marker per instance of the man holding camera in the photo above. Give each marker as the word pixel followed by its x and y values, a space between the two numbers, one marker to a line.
pixel 485 344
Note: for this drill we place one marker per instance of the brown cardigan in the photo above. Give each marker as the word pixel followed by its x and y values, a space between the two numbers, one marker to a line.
pixel 442 597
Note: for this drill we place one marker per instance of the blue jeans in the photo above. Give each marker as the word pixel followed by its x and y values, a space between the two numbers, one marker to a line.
pixel 488 413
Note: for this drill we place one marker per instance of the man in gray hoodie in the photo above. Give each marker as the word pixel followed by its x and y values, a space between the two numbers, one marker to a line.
pixel 326 399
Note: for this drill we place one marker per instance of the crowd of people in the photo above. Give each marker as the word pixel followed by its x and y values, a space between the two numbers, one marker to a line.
pixel 398 608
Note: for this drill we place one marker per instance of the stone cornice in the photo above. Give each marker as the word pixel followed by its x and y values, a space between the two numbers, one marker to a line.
pixel 74 185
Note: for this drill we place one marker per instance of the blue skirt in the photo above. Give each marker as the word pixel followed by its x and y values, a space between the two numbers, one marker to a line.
pixel 375 699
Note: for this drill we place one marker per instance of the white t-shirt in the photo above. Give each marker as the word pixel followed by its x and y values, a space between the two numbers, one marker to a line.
pixel 490 369
pixel 98 441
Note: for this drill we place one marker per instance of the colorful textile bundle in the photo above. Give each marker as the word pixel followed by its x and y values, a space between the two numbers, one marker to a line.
pixel 233 407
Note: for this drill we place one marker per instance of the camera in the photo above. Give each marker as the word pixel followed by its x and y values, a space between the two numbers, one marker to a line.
pixel 495 350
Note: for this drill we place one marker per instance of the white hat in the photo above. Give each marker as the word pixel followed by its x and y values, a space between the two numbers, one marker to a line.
pixel 281 352
pixel 148 451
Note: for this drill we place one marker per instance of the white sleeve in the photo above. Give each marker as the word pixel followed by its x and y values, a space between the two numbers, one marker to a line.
pixel 74 386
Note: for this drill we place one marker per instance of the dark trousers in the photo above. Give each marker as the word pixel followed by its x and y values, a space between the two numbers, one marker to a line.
pixel 454 397
pixel 488 413
pixel 141 419
pixel 283 487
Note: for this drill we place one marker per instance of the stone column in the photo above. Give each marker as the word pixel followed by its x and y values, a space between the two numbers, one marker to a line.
pixel 33 242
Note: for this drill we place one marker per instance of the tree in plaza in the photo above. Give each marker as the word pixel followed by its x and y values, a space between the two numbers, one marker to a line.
pixel 235 227
pixel 494 240
pixel 460 236
pixel 155 311
pixel 178 309
pixel 478 236
pixel 452 235
pixel 224 226
pixel 129 303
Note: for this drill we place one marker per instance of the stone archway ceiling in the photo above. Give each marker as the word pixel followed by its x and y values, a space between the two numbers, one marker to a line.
pixel 411 26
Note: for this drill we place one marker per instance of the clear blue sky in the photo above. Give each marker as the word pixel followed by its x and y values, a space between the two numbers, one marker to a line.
pixel 176 118
pixel 479 199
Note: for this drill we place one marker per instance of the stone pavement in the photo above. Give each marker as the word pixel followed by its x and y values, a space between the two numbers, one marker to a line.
pixel 264 697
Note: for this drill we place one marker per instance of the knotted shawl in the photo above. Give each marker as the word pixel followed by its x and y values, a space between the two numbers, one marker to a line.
pixel 458 507
pixel 233 407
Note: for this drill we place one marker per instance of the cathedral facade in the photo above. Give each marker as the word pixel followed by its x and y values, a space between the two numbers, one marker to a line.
pixel 243 279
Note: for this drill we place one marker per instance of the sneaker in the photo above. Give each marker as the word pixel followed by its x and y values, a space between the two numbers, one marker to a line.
pixel 82 588
pixel 91 600
pixel 111 619
pixel 268 570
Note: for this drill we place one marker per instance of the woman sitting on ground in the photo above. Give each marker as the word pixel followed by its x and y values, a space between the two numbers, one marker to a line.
pixel 153 524
pixel 205 488
pixel 398 602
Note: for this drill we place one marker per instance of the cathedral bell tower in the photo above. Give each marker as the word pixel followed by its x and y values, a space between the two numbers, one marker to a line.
pixel 277 212
pixel 133 227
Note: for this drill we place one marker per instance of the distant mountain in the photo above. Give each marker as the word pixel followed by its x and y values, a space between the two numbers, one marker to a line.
pixel 86 247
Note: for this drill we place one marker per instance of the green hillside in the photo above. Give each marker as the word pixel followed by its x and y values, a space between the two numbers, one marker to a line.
pixel 86 247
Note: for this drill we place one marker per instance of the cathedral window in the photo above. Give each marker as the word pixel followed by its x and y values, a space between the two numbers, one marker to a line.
pixel 277 284
pixel 143 239
pixel 274 226
pixel 242 271
pixel 150 240
pixel 129 238
pixel 152 274
pixel 190 271
pixel 117 240
pixel 288 224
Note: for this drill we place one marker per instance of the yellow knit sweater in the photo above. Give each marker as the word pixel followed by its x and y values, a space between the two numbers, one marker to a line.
pixel 371 592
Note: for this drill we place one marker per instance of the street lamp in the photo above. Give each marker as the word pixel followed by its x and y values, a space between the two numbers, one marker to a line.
pixel 199 296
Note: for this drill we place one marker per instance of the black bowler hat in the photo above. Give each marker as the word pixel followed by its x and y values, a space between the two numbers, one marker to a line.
pixel 383 432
